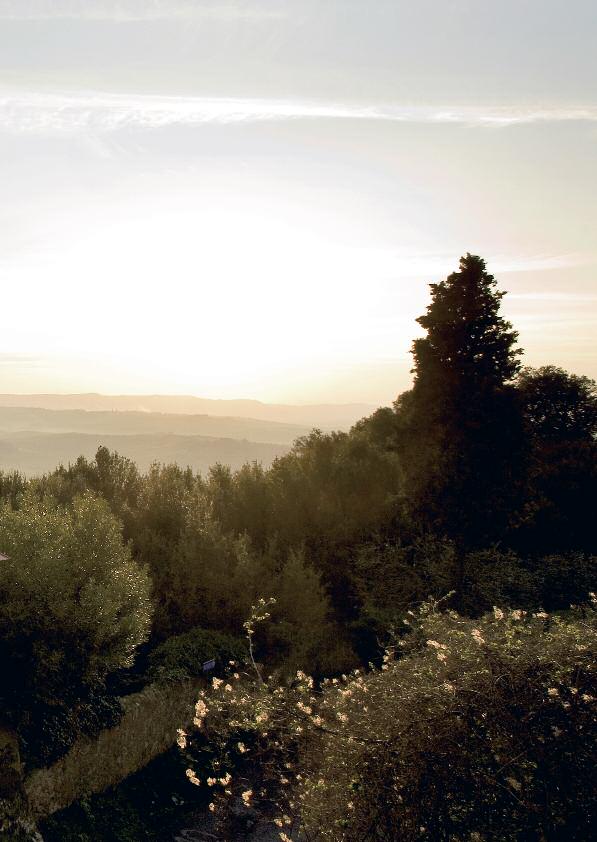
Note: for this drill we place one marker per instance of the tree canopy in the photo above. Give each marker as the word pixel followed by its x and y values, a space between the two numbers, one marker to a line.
pixel 558 406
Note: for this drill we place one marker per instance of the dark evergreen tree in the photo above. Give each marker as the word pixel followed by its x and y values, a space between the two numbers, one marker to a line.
pixel 461 430
pixel 560 414
pixel 469 347
pixel 558 407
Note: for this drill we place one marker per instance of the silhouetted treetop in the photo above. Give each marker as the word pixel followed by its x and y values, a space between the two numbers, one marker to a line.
pixel 467 342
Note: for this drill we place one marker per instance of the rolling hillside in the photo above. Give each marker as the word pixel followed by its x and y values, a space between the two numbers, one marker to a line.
pixel 40 432
pixel 22 419
pixel 325 416
pixel 37 453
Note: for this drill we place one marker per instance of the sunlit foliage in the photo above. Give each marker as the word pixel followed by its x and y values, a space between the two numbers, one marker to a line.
pixel 73 607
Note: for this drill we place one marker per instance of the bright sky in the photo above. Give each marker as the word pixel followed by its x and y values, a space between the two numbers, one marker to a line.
pixel 248 199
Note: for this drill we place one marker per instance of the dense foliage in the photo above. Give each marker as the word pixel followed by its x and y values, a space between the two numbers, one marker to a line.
pixel 182 656
pixel 73 607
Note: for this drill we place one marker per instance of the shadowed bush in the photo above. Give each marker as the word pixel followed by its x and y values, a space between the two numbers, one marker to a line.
pixel 182 656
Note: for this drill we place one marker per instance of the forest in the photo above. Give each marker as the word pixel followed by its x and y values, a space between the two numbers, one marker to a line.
pixel 402 616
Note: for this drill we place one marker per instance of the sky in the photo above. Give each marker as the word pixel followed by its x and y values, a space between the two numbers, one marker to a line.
pixel 249 199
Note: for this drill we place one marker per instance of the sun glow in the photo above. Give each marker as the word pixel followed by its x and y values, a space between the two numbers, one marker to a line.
pixel 228 295
pixel 223 295
pixel 214 301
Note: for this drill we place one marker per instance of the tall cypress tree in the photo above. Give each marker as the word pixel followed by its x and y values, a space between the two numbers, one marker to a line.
pixel 462 448
pixel 469 346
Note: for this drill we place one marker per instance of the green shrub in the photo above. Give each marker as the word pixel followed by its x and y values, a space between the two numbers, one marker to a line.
pixel 393 577
pixel 301 631
pixel 73 607
pixel 182 656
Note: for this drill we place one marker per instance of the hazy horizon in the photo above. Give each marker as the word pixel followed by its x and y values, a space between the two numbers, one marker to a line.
pixel 174 395
pixel 248 200
pixel 40 432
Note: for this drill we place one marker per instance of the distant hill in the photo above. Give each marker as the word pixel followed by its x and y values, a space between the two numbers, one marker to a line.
pixel 37 453
pixel 324 416
pixel 40 432
pixel 25 419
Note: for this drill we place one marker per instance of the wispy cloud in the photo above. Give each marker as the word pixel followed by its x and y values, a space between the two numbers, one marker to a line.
pixel 537 263
pixel 137 10
pixel 90 111
pixel 557 297
pixel 21 360
pixel 391 263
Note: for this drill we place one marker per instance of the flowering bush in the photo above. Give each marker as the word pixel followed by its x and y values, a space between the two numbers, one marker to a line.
pixel 471 729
